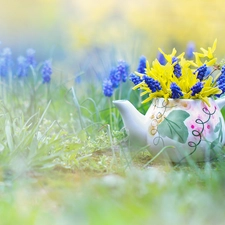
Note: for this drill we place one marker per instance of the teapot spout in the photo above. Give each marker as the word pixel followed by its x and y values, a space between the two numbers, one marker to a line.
pixel 220 102
pixel 134 122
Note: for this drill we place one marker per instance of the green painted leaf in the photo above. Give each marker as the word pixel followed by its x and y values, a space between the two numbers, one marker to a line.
pixel 173 126
pixel 217 128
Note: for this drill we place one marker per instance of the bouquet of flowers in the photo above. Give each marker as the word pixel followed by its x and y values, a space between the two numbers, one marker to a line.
pixel 180 78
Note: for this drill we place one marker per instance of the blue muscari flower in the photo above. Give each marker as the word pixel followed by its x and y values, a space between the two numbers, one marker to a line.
pixel 161 59
pixel 107 88
pixel 223 70
pixel 189 50
pixel 122 70
pixel 177 67
pixel 114 78
pixel 3 67
pixel 221 82
pixel 7 54
pixel 142 64
pixel 222 88
pixel 196 88
pixel 154 85
pixel 135 79
pixel 31 57
pixel 22 70
pixel 46 71
pixel 119 74
pixel 202 70
pixel 221 79
pixel 176 91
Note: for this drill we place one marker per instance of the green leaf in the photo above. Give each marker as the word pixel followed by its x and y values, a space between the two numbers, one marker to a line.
pixel 9 137
pixel 217 128
pixel 173 126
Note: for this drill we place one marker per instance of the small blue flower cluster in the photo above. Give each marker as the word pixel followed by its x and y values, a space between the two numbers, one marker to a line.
pixel 161 59
pixel 31 57
pixel 135 79
pixel 176 91
pixel 190 50
pixel 140 69
pixel 123 70
pixel 5 62
pixel 116 76
pixel 221 81
pixel 22 68
pixel 202 71
pixel 142 64
pixel 177 67
pixel 154 85
pixel 6 54
pixel 196 88
pixel 46 71
pixel 107 88
pixel 22 65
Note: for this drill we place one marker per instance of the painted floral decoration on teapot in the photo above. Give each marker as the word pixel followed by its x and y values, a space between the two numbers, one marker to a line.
pixel 187 122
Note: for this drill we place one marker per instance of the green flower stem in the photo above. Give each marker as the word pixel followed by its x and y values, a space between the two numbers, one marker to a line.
pixel 157 155
pixel 110 112
pixel 112 146
pixel 78 108
pixel 217 77
pixel 48 92
pixel 120 91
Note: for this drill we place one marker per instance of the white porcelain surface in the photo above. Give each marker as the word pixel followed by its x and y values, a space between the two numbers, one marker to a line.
pixel 191 127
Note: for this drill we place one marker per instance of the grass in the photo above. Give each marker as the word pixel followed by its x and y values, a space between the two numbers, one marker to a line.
pixel 63 160
pixel 157 195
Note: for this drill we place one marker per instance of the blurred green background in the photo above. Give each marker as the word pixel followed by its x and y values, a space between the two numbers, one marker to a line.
pixel 69 30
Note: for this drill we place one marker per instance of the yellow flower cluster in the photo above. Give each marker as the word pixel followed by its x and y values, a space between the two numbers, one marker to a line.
pixel 165 75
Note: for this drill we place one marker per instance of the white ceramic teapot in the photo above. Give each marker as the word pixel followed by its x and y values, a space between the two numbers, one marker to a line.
pixel 189 127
